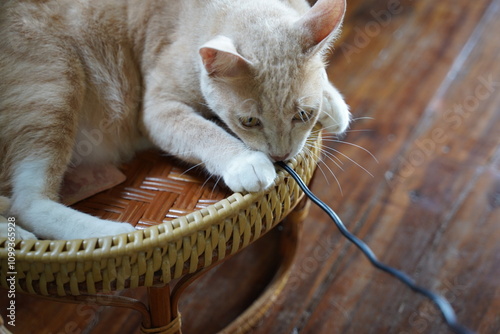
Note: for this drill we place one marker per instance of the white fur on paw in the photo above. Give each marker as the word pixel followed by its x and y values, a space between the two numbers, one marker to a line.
pixel 24 235
pixel 50 220
pixel 335 115
pixel 251 171
pixel 17 231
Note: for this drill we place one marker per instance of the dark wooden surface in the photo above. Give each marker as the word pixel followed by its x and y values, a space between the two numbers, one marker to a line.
pixel 423 81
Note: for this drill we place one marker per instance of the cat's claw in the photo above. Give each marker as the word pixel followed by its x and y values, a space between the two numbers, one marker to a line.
pixel 251 171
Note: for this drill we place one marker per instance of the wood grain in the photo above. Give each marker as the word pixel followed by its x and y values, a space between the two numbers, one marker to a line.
pixel 426 170
pixel 422 79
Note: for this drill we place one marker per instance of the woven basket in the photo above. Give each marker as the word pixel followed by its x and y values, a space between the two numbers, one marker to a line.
pixel 183 224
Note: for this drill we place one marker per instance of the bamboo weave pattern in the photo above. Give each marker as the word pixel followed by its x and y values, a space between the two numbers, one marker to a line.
pixel 184 223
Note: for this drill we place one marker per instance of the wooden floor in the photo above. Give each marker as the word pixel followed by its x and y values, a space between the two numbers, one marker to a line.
pixel 423 82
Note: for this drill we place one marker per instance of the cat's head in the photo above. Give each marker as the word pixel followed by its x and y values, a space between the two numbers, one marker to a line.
pixel 270 90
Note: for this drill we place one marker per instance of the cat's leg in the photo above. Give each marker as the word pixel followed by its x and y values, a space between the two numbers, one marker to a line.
pixel 179 130
pixel 8 227
pixel 335 115
pixel 8 231
pixel 40 103
pixel 33 205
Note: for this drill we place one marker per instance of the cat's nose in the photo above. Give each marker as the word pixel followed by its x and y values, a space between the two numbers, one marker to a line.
pixel 277 158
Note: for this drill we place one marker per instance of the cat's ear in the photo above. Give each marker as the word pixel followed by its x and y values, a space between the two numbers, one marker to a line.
pixel 321 23
pixel 221 59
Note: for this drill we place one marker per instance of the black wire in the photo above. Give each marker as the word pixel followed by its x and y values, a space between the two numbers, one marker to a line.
pixel 443 305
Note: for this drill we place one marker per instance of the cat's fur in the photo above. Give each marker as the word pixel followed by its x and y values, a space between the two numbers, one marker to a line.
pixel 93 81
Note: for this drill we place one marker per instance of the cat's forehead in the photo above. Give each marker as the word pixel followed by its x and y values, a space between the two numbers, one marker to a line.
pixel 284 75
pixel 289 84
pixel 285 61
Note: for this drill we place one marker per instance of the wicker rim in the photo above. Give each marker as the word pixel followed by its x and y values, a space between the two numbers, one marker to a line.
pixel 159 253
pixel 141 239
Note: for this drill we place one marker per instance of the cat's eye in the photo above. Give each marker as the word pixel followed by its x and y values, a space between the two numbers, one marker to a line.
pixel 250 122
pixel 303 115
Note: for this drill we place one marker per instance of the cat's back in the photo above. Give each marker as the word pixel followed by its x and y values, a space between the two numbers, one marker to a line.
pixel 35 20
pixel 77 53
pixel 32 17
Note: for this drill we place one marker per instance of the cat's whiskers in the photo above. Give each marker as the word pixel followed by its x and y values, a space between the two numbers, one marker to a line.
pixel 321 163
pixel 362 118
pixel 209 177
pixel 333 158
pixel 304 97
pixel 333 174
pixel 335 124
pixel 191 168
pixel 301 100
pixel 332 140
pixel 309 153
pixel 359 130
pixel 351 160
pixel 217 180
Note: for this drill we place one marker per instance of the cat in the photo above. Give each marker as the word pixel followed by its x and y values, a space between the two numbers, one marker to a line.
pixel 141 73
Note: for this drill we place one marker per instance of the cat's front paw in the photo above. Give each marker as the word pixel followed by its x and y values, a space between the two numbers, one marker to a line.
pixel 251 171
pixel 335 115
pixel 8 231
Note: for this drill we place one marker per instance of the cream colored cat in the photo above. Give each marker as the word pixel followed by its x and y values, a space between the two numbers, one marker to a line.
pixel 94 81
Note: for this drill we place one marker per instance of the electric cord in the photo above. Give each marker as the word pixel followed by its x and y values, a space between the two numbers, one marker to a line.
pixel 444 306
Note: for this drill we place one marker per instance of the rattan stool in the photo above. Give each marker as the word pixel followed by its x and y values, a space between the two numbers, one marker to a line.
pixel 185 225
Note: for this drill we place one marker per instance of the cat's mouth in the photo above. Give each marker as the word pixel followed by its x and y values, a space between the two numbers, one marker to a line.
pixel 277 158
